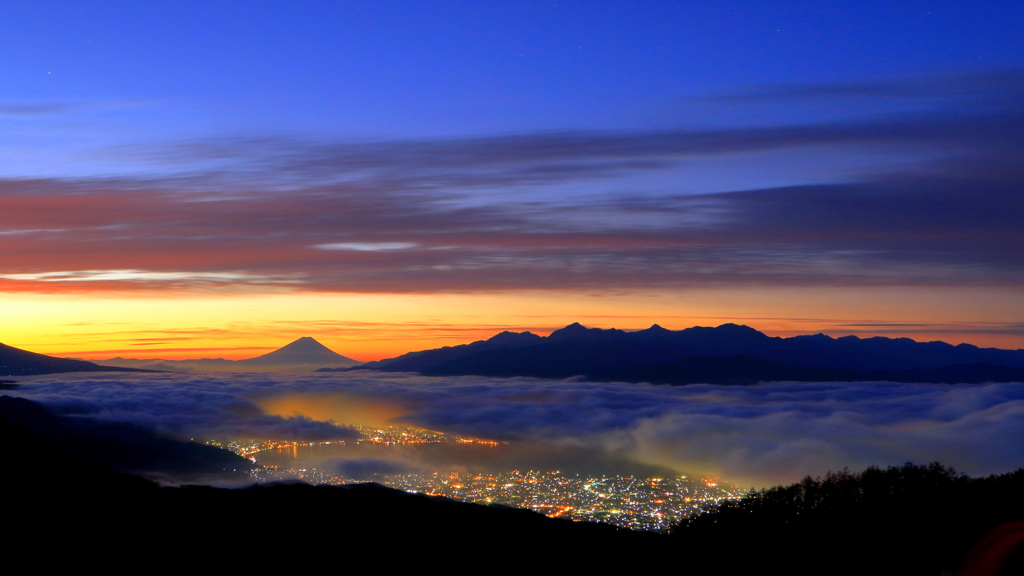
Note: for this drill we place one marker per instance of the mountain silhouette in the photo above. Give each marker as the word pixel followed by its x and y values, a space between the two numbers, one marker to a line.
pixel 417 361
pixel 305 350
pixel 18 362
pixel 727 354
pixel 302 355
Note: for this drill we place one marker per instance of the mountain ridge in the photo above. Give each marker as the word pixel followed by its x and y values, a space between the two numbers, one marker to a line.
pixel 657 355
pixel 18 362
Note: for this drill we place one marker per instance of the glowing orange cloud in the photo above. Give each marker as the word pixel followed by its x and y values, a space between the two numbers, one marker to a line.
pixel 338 407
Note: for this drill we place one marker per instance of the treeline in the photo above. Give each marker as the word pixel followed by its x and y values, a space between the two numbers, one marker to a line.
pixel 910 519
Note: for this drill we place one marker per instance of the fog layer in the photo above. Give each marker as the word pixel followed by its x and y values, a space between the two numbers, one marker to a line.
pixel 757 435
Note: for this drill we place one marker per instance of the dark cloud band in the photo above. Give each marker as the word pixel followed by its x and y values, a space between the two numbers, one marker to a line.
pixel 543 211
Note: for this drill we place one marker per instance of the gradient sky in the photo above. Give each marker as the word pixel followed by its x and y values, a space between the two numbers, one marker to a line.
pixel 196 179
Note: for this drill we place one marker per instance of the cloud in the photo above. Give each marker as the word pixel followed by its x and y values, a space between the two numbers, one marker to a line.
pixel 986 88
pixel 32 109
pixel 366 246
pixel 201 407
pixel 551 210
pixel 144 276
pixel 764 434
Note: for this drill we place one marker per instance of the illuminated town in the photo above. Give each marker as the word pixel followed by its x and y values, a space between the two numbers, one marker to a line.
pixel 628 501
pixel 390 436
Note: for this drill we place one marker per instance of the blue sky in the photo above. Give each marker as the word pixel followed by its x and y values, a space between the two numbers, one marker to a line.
pixel 846 167
pixel 478 147
pixel 401 69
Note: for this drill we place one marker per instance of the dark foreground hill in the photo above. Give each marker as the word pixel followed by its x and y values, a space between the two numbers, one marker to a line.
pixel 121 446
pixel 66 510
pixel 18 362
pixel 728 354
pixel 901 520
pixel 57 501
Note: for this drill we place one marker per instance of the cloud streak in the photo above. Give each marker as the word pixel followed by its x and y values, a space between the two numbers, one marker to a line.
pixel 570 210
pixel 366 246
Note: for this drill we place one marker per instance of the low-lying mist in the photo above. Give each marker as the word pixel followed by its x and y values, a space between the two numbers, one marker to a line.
pixel 754 435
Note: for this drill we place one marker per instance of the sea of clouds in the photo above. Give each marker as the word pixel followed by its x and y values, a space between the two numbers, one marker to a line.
pixel 755 435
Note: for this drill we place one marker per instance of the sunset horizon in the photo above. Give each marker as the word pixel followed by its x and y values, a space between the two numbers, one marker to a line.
pixel 179 327
pixel 581 269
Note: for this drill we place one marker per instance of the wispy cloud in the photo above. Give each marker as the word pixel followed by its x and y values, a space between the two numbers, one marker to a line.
pixel 973 89
pixel 144 276
pixel 366 246
pixel 31 109
pixel 526 210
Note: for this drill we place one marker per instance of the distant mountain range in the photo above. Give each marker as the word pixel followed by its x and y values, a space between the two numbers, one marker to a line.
pixel 18 362
pixel 728 354
pixel 302 355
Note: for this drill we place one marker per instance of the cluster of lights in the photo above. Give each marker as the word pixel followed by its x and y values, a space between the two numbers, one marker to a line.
pixel 628 501
pixel 250 448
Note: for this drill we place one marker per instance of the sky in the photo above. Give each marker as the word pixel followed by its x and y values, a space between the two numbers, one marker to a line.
pixel 196 179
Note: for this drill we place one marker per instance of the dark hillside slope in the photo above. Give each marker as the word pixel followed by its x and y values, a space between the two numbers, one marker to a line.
pixel 124 447
pixel 18 362
pixel 57 499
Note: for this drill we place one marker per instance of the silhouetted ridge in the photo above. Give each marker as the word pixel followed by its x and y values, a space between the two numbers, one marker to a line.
pixel 18 362
pixel 733 354
pixel 734 370
pixel 958 374
pixel 123 447
pixel 417 361
pixel 655 331
pixel 514 338
pixel 577 331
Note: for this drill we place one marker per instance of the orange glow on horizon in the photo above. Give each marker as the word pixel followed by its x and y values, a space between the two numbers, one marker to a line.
pixel 374 326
